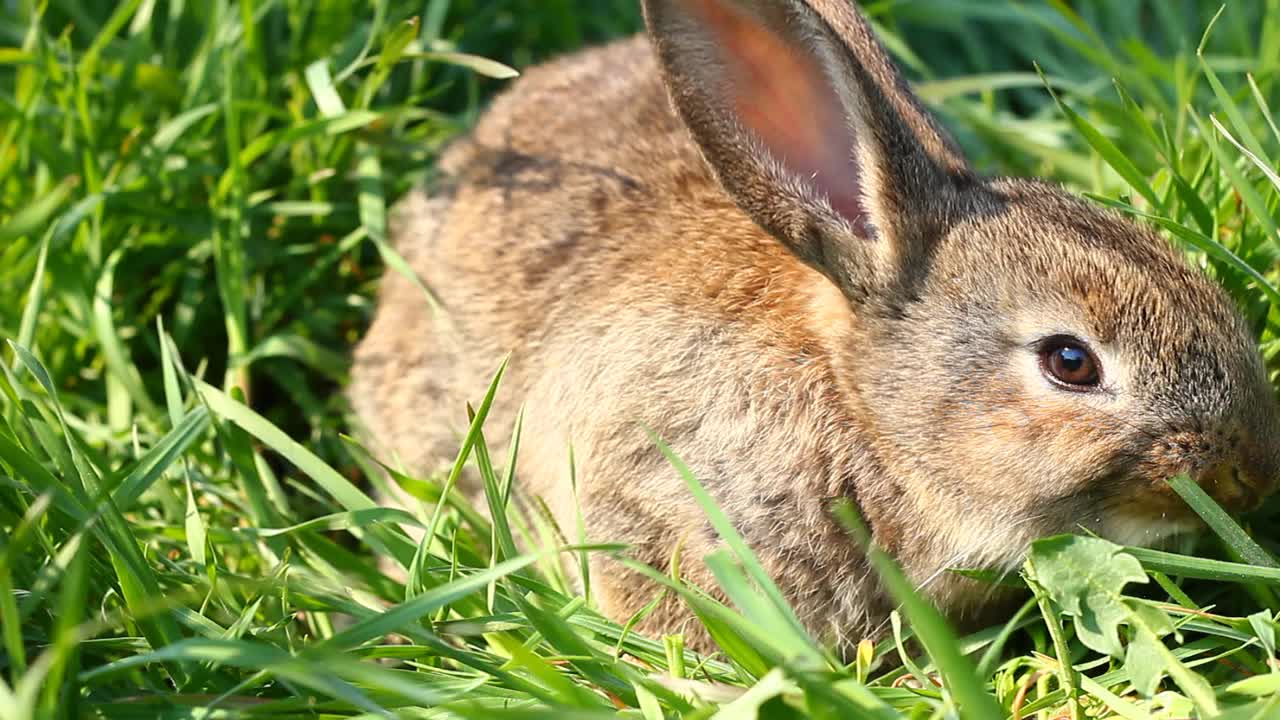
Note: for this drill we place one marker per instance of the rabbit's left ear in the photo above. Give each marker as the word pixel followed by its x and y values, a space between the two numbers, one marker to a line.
pixel 810 128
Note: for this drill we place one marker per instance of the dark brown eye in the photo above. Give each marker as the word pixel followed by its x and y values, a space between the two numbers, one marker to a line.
pixel 1067 362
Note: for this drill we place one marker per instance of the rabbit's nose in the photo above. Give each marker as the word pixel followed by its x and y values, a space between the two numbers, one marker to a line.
pixel 1234 489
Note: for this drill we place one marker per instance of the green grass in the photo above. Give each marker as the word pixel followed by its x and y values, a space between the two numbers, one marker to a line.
pixel 192 224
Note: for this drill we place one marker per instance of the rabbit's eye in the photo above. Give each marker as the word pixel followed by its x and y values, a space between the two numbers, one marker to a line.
pixel 1068 363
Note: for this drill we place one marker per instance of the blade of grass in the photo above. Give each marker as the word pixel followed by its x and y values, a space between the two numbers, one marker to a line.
pixel 1106 149
pixel 957 671
pixel 788 622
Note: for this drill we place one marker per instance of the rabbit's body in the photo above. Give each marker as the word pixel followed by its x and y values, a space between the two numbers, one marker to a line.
pixel 604 337
pixel 795 346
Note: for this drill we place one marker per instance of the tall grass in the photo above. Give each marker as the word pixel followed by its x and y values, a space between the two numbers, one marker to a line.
pixel 192 224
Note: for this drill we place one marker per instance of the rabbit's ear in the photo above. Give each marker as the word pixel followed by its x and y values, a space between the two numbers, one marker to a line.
pixel 810 127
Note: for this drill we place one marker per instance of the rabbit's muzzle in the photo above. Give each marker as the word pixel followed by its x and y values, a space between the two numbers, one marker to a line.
pixel 1235 489
pixel 1236 472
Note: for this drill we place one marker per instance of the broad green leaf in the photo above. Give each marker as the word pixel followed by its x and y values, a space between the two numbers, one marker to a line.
pixel 1144 657
pixel 1086 577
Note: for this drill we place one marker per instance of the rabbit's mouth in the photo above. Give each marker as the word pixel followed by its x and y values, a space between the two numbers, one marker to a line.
pixel 1231 487
pixel 1154 515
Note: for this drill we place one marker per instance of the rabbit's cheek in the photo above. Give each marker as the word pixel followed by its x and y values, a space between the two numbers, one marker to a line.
pixel 1050 443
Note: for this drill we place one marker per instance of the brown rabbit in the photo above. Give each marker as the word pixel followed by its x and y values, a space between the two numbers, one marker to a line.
pixel 750 237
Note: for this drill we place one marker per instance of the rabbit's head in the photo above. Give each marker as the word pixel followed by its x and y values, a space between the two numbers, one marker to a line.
pixel 1025 362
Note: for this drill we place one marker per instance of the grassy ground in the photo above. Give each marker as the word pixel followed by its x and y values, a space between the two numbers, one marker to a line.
pixel 192 214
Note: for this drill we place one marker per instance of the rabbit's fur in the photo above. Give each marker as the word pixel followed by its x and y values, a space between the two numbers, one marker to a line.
pixel 752 239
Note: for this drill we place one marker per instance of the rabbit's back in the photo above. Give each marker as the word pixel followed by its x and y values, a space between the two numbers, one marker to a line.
pixel 577 224
pixel 557 189
pixel 530 214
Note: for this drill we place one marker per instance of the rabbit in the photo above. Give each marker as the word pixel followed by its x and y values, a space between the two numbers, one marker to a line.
pixel 742 231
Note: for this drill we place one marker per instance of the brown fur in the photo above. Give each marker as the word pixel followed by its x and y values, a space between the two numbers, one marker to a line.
pixel 835 308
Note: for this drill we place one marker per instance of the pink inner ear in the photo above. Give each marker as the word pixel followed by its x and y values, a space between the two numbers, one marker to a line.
pixel 780 92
